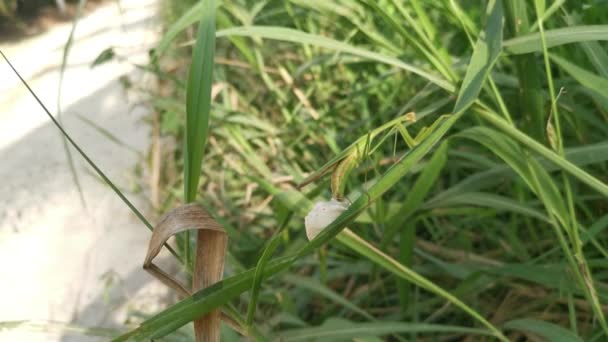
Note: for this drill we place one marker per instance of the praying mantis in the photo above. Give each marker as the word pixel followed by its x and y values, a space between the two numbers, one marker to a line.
pixel 342 164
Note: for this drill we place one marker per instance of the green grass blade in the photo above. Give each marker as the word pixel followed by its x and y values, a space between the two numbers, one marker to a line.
pixel 200 303
pixel 586 78
pixel 259 271
pixel 555 6
pixel 549 331
pixel 354 13
pixel 500 203
pixel 593 49
pixel 532 144
pixel 551 276
pixel 316 287
pixel 364 248
pixel 198 100
pixel 258 277
pixel 531 103
pixel 343 330
pixel 104 56
pixel 188 18
pixel 295 36
pixel 597 56
pixel 579 156
pixel 424 183
pixel 567 35
pixel 425 22
pixel 407 241
pixel 578 259
pixel 511 153
pixel 486 52
pixel 428 50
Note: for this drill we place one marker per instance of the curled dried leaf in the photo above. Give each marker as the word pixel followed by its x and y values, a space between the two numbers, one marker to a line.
pixel 209 264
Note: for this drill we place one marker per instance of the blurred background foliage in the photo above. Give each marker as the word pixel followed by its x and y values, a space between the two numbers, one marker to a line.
pixel 19 8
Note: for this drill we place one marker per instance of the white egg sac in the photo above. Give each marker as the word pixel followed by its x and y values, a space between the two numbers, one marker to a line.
pixel 322 214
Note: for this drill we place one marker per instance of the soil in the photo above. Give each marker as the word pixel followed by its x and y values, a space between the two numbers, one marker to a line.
pixel 24 25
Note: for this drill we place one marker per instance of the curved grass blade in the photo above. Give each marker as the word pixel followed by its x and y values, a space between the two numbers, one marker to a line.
pixel 505 148
pixel 415 197
pixel 586 78
pixel 427 50
pixel 190 17
pixel 527 71
pixel 315 286
pixel 556 5
pixel 489 200
pixel 547 330
pixel 296 36
pixel 259 270
pixel 486 52
pixel 364 248
pixel 567 35
pixel 579 156
pixel 598 57
pixel 543 151
pixel 343 330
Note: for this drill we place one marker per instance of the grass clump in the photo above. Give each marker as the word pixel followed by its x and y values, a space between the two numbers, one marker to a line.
pixel 483 214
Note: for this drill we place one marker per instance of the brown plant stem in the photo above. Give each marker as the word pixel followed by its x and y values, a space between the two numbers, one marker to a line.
pixel 208 270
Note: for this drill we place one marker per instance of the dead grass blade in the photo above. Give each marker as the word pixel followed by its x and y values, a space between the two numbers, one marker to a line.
pixel 211 251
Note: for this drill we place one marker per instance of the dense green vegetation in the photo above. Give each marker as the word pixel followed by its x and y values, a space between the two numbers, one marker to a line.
pixel 484 215
pixel 481 216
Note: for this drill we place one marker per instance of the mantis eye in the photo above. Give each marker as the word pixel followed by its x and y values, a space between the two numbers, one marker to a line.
pixel 322 214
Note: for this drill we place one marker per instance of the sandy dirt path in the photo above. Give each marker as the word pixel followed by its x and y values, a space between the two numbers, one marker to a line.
pixel 59 262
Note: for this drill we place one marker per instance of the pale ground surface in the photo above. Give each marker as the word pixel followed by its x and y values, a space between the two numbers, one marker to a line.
pixel 55 257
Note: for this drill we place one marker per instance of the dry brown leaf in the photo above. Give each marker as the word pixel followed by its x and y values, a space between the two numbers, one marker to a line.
pixel 209 263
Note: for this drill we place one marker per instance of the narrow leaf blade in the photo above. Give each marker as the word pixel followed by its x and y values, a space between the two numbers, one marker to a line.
pixel 486 52
pixel 198 100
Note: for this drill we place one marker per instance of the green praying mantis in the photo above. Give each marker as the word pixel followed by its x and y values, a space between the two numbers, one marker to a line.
pixel 342 164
